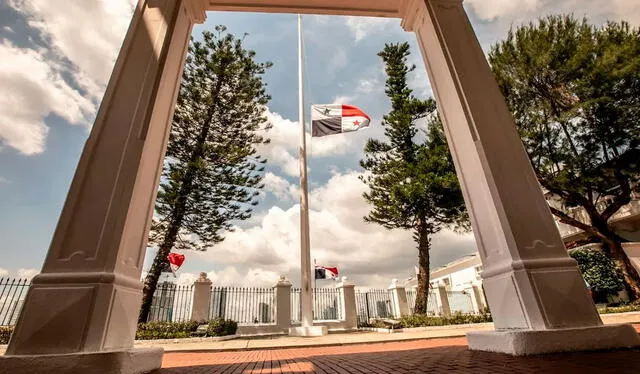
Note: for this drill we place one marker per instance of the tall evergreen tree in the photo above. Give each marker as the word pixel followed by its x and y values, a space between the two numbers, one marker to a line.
pixel 212 173
pixel 574 90
pixel 411 178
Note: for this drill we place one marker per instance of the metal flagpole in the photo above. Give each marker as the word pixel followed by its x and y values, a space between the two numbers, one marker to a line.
pixel 305 241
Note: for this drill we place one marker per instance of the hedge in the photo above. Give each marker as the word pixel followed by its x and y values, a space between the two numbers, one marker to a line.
pixel 5 334
pixel 423 320
pixel 177 330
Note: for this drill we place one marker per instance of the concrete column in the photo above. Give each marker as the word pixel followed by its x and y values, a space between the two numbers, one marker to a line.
pixel 532 285
pixel 477 300
pixel 348 298
pixel 443 300
pixel 399 299
pixel 201 298
pixel 87 298
pixel 282 307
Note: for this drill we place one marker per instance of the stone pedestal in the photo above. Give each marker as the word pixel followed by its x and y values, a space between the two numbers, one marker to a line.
pixel 532 286
pixel 81 311
pixel 348 299
pixel 201 298
pixel 308 331
pixel 399 299
pixel 442 300
pixel 283 303
pixel 126 361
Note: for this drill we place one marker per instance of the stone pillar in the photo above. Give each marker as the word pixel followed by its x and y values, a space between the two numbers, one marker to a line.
pixel 533 287
pixel 87 297
pixel 476 298
pixel 348 298
pixel 399 299
pixel 443 300
pixel 201 298
pixel 282 307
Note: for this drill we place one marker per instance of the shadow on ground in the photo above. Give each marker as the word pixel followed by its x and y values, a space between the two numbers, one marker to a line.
pixel 399 358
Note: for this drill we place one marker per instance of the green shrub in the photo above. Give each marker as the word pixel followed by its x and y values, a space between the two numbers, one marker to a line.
pixel 5 334
pixel 635 307
pixel 601 274
pixel 221 327
pixel 458 318
pixel 166 330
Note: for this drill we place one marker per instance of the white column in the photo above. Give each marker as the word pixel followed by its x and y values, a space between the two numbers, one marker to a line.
pixel 442 299
pixel 399 299
pixel 476 298
pixel 87 298
pixel 530 281
pixel 282 305
pixel 348 299
pixel 201 301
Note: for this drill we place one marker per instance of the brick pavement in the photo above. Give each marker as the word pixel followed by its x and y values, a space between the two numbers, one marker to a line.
pixel 422 356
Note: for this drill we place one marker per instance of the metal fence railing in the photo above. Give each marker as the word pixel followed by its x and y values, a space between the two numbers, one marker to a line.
pixel 326 304
pixel 374 304
pixel 244 305
pixel 432 303
pixel 12 295
pixel 460 301
pixel 171 303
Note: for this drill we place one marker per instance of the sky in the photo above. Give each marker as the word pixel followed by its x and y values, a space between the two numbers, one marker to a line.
pixel 55 63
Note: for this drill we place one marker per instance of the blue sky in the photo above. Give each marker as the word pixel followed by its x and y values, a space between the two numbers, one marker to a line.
pixel 54 65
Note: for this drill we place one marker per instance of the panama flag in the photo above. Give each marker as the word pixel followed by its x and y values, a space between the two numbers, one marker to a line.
pixel 175 261
pixel 329 119
pixel 323 272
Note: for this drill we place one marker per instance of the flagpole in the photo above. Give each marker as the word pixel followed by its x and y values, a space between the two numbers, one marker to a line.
pixel 305 241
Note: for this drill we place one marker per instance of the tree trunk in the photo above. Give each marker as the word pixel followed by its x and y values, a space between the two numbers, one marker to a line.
pixel 422 293
pixel 151 281
pixel 629 272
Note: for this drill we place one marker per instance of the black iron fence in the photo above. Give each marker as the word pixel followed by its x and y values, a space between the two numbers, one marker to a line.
pixel 374 304
pixel 327 305
pixel 243 305
pixel 171 303
pixel 12 295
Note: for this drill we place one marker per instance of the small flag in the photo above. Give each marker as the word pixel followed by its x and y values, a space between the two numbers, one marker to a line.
pixel 323 272
pixel 175 261
pixel 329 119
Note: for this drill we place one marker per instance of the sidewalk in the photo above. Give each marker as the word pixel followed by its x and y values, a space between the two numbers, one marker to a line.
pixel 341 339
pixel 336 339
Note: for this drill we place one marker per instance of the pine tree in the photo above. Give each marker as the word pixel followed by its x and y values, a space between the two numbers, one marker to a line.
pixel 212 174
pixel 412 182
pixel 574 91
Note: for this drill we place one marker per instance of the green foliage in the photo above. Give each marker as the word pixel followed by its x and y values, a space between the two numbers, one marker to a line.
pixel 410 174
pixel 423 320
pixel 221 327
pixel 212 172
pixel 635 307
pixel 599 272
pixel 574 91
pixel 5 334
pixel 165 330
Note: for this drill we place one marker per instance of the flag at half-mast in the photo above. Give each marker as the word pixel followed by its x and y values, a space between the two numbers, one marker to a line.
pixel 329 119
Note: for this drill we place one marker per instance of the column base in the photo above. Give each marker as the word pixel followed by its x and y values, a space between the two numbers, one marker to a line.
pixel 308 331
pixel 533 342
pixel 130 361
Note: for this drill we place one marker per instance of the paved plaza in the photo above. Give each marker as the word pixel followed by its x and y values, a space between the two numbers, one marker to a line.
pixel 421 356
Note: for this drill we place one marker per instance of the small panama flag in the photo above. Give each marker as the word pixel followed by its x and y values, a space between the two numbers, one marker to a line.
pixel 175 261
pixel 329 119
pixel 323 272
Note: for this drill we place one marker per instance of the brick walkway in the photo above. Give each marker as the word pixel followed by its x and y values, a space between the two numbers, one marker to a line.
pixel 422 356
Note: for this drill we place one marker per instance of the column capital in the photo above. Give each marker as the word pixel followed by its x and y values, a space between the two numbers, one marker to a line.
pixel 414 11
pixel 197 10
pixel 283 282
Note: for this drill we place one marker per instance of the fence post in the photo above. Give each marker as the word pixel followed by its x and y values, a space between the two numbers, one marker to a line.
pixel 476 299
pixel 399 299
pixel 282 307
pixel 348 299
pixel 443 300
pixel 201 298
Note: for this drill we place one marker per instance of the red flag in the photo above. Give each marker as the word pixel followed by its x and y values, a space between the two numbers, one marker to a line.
pixel 175 261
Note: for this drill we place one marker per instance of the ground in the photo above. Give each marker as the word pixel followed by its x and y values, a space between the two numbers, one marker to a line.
pixel 419 356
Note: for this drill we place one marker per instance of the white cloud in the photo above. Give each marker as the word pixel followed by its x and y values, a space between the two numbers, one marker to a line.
pixel 4 272
pixel 280 187
pixel 4 180
pixel 491 9
pixel 67 77
pixel 361 27
pixel 366 253
pixel 27 273
pixel 32 90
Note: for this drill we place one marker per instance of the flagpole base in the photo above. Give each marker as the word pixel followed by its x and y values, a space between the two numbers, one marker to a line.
pixel 308 331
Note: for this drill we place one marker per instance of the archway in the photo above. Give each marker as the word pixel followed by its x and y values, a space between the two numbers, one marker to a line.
pixel 85 302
